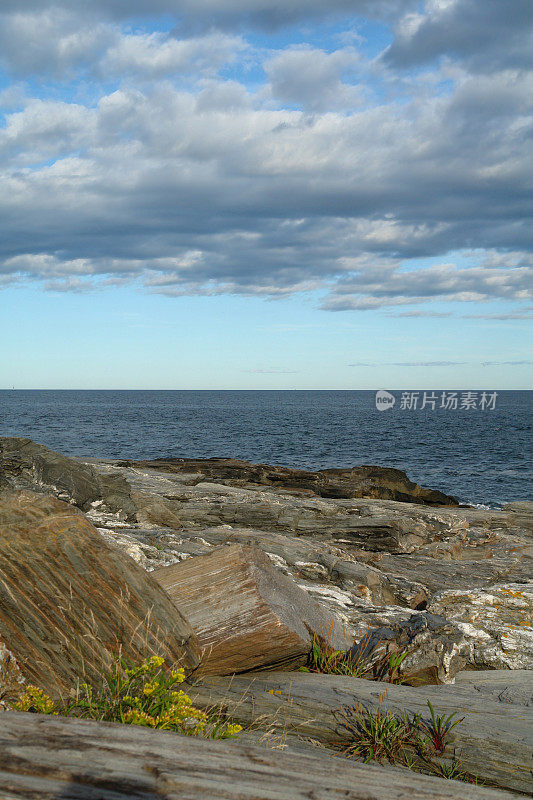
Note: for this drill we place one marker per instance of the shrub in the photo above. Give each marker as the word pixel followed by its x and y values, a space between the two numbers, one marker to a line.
pixel 147 694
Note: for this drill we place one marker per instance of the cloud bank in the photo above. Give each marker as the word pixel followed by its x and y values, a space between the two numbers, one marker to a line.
pixel 190 158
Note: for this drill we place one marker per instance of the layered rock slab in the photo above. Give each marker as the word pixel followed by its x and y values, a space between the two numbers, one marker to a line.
pixel 70 603
pixel 364 481
pixel 245 613
pixel 44 758
pixel 24 464
pixel 494 741
pixel 501 685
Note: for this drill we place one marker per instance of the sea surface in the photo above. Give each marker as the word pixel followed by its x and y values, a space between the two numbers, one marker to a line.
pixel 480 456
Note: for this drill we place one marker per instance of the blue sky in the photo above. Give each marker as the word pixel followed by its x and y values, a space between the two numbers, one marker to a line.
pixel 225 194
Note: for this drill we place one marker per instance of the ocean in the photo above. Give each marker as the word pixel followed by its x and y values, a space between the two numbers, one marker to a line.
pixel 482 455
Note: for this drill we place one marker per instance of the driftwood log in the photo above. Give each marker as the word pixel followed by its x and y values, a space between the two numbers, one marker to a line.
pixel 53 758
pixel 245 613
pixel 494 741
pixel 69 602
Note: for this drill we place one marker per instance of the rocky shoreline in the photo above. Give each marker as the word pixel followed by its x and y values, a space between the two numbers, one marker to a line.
pixel 396 567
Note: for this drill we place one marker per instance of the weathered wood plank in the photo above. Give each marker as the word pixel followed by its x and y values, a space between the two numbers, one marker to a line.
pixel 53 758
pixel 494 741
pixel 245 612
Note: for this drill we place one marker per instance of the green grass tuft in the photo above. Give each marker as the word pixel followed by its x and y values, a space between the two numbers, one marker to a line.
pixel 324 659
pixel 402 739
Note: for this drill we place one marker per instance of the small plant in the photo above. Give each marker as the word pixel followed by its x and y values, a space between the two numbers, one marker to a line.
pixel 439 728
pixel 452 771
pixel 324 659
pixel 147 695
pixel 394 663
pixel 407 740
pixel 377 736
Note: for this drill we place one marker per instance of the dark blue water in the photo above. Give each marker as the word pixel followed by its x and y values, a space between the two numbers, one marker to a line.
pixel 479 456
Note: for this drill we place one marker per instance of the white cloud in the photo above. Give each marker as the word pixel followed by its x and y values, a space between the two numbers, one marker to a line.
pixel 210 185
pixel 156 55
pixel 51 41
pixel 311 78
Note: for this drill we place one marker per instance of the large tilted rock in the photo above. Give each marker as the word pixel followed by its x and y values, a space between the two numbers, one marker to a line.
pixel 69 602
pixel 245 613
pixel 27 465
pixel 11 678
pixel 498 622
pixel 494 741
pixel 46 758
pixel 364 481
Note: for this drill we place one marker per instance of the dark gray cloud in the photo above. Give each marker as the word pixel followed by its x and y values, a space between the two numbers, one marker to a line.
pixel 486 34
pixel 193 16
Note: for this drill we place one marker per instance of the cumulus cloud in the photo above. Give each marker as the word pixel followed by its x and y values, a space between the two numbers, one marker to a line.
pixel 154 55
pixel 62 44
pixel 50 40
pixel 313 79
pixel 291 183
pixel 270 200
pixel 447 283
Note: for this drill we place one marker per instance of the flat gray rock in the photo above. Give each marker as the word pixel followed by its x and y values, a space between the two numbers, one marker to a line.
pixel 494 741
pixel 47 758
pixel 501 685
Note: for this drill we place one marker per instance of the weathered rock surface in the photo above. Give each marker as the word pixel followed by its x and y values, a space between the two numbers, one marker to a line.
pixel 364 481
pixel 11 678
pixel 245 613
pixel 27 465
pixel 498 621
pixel 494 741
pixel 44 758
pixel 373 562
pixel 336 550
pixel 435 649
pixel 501 685
pixel 69 602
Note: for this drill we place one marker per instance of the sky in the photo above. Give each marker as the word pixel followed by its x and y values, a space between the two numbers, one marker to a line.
pixel 238 194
